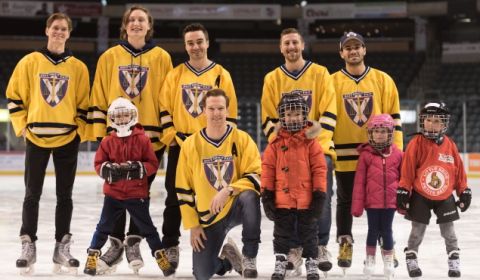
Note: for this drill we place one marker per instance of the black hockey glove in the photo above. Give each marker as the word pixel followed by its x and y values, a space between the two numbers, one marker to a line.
pixel 403 198
pixel 316 206
pixel 133 170
pixel 464 200
pixel 268 201
pixel 111 172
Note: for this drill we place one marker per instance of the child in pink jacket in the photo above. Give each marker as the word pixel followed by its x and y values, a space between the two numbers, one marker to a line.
pixel 375 187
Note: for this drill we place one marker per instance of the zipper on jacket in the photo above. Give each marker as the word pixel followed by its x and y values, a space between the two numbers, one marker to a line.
pixel 384 163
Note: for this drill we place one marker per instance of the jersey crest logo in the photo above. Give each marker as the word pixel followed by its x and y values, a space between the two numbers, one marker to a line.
pixel 359 106
pixel 192 95
pixel 306 94
pixel 53 87
pixel 132 79
pixel 434 180
pixel 219 171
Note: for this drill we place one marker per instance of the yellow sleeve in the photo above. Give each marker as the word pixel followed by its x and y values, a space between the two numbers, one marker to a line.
pixel 250 167
pixel 391 105
pixel 98 100
pixel 226 84
pixel 18 96
pixel 82 94
pixel 269 109
pixel 167 97
pixel 185 190
pixel 328 113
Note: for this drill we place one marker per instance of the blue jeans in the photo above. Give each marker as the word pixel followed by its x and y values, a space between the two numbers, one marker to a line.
pixel 380 225
pixel 245 211
pixel 325 221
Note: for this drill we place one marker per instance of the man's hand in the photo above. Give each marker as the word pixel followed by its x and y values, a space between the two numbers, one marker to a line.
pixel 219 201
pixel 197 238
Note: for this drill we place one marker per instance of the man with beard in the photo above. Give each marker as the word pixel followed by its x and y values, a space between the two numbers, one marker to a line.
pixel 314 83
pixel 362 92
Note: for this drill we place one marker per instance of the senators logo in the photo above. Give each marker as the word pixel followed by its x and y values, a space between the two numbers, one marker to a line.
pixel 219 171
pixel 132 79
pixel 359 106
pixel 192 95
pixel 306 94
pixel 53 87
pixel 434 180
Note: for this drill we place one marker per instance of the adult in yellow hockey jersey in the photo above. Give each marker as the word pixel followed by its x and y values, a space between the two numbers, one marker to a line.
pixel 48 102
pixel 134 69
pixel 362 92
pixel 314 83
pixel 183 91
pixel 218 188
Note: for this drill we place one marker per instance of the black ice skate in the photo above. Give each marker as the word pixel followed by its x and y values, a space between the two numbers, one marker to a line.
pixel 62 259
pixel 173 255
pixel 29 256
pixel 280 267
pixel 454 264
pixel 113 256
pixel 312 269
pixel 132 250
pixel 345 252
pixel 414 270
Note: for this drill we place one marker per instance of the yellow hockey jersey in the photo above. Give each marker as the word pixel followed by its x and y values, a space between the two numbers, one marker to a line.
pixel 48 95
pixel 206 166
pixel 315 84
pixel 358 98
pixel 137 75
pixel 182 92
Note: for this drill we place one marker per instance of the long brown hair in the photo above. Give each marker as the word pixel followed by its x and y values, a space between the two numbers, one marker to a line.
pixel 126 15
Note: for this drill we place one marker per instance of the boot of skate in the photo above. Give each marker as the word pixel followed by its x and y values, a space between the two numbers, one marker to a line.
pixel 345 252
pixel 249 267
pixel 280 267
pixel 29 256
pixel 388 263
pixel 113 256
pixel 163 263
pixel 454 264
pixel 324 259
pixel 91 263
pixel 63 261
pixel 173 255
pixel 132 250
pixel 369 266
pixel 312 269
pixel 414 270
pixel 295 261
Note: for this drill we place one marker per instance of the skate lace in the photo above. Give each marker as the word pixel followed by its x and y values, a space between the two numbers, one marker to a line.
pixel 28 250
pixel 345 251
pixel 112 254
pixel 92 261
pixel 64 249
pixel 249 263
pixel 311 266
pixel 412 264
pixel 323 254
pixel 172 254
pixel 280 267
pixel 133 252
pixel 454 264
pixel 162 261
pixel 295 256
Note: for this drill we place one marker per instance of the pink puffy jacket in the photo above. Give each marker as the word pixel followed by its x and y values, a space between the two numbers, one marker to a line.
pixel 376 179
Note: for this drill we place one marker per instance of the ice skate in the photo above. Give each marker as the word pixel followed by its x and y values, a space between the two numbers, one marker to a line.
pixel 62 259
pixel 311 269
pixel 294 262
pixel 113 256
pixel 388 264
pixel 232 254
pixel 324 259
pixel 132 251
pixel 163 263
pixel 91 263
pixel 345 252
pixel 280 267
pixel 249 267
pixel 369 266
pixel 173 255
pixel 414 270
pixel 454 264
pixel 395 260
pixel 26 261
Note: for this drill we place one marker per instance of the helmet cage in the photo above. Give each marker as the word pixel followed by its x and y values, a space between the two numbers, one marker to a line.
pixel 384 145
pixel 123 115
pixel 434 135
pixel 296 124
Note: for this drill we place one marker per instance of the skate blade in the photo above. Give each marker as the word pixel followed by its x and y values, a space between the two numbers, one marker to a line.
pixel 135 265
pixel 27 271
pixel 64 270
pixel 293 273
pixel 104 269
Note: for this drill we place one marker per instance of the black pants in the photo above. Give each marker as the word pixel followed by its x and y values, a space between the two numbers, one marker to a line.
pixel 65 163
pixel 344 202
pixel 283 231
pixel 171 215
pixel 119 227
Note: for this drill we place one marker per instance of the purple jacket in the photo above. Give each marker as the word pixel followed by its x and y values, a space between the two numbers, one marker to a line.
pixel 376 179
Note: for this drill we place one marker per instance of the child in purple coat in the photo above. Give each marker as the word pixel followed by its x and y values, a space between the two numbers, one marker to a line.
pixel 375 187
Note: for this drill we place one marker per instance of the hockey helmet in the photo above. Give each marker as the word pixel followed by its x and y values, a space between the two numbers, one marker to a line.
pixel 380 121
pixel 293 102
pixel 434 110
pixel 123 115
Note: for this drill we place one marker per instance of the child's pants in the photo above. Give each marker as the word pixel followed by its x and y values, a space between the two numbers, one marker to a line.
pixel 446 230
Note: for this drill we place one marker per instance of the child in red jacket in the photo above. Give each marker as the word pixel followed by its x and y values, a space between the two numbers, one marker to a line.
pixel 294 184
pixel 125 159
pixel 431 171
pixel 375 188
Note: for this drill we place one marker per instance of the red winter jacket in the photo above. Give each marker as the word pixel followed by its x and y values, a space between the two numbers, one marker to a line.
pixel 376 179
pixel 294 166
pixel 136 147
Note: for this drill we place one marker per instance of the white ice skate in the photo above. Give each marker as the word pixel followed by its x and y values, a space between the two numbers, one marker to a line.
pixel 63 262
pixel 324 260
pixel 369 266
pixel 295 261
pixel 414 270
pixel 454 264
pixel 132 250
pixel 29 256
pixel 388 264
pixel 107 263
